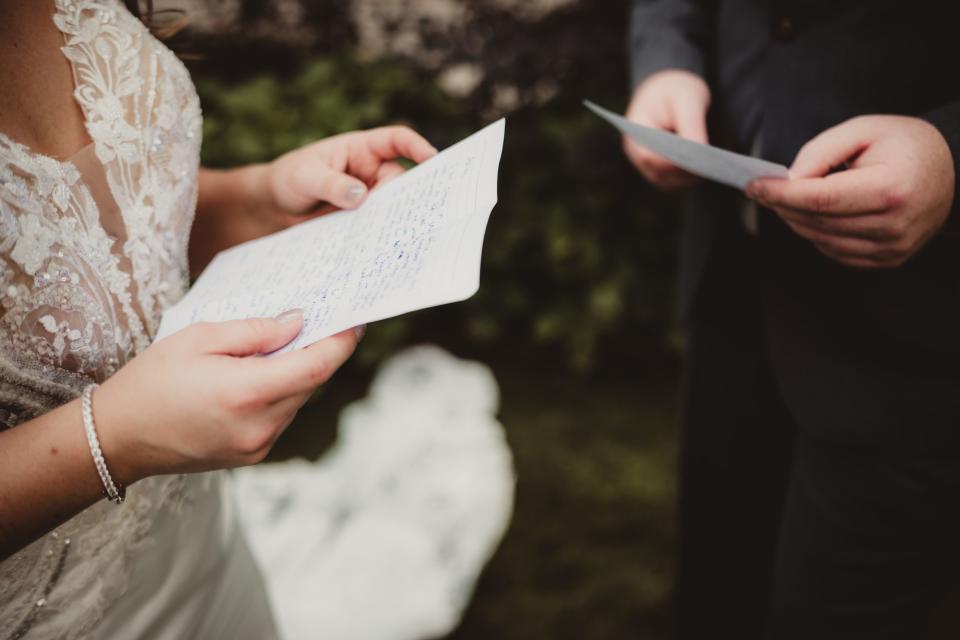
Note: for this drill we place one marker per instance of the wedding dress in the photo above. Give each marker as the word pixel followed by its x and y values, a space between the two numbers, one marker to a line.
pixel 385 537
pixel 92 250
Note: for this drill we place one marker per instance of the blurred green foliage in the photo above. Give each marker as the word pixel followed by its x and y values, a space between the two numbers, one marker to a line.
pixel 266 115
pixel 589 552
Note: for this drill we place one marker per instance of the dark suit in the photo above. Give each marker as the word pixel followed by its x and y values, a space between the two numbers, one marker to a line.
pixel 822 425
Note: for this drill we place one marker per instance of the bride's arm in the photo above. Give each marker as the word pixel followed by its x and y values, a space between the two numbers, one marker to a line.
pixel 241 204
pixel 229 211
pixel 47 476
pixel 195 401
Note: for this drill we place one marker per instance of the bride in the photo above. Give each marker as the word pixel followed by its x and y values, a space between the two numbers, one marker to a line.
pixel 106 527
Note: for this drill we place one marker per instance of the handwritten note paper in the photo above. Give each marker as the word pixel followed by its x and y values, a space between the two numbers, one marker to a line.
pixel 702 160
pixel 415 243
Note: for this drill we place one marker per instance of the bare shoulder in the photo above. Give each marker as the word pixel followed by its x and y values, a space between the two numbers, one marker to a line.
pixel 37 107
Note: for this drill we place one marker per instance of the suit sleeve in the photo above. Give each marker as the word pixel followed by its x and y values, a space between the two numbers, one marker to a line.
pixel 669 34
pixel 947 121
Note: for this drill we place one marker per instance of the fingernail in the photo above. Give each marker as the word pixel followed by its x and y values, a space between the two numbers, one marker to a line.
pixel 355 192
pixel 434 149
pixel 289 317
pixel 360 331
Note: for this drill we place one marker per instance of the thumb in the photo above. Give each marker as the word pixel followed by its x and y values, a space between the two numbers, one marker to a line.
pixel 314 183
pixel 253 336
pixel 691 121
pixel 832 148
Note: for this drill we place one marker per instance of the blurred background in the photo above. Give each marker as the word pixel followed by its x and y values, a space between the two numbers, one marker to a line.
pixel 575 312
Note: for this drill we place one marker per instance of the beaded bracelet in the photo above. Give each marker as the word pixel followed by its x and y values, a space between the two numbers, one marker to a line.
pixel 114 493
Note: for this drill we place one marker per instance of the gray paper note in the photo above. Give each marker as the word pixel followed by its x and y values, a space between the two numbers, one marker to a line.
pixel 702 160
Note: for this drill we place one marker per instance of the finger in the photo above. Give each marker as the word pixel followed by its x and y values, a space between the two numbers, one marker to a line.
pixel 387 172
pixel 248 337
pixel 649 163
pixel 369 150
pixel 862 264
pixel 316 182
pixel 841 248
pixel 855 261
pixel 656 114
pixel 869 227
pixel 636 155
pixel 674 179
pixel 691 121
pixel 832 148
pixel 641 157
pixel 851 193
pixel 303 370
pixel 668 177
pixel 388 143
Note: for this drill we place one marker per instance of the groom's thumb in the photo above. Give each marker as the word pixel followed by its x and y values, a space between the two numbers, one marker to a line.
pixel 252 336
pixel 832 148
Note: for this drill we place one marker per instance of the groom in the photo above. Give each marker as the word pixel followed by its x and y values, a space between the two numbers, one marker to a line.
pixel 820 476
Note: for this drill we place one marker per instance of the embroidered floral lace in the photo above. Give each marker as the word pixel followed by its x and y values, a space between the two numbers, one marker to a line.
pixel 92 250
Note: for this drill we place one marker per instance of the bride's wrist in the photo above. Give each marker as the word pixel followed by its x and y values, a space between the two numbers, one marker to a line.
pixel 226 193
pixel 114 428
pixel 255 194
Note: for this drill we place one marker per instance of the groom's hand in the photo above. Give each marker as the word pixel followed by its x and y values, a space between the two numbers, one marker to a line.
pixel 674 101
pixel 894 195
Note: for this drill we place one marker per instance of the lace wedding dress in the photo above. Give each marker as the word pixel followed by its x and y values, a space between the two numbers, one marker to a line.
pixel 92 250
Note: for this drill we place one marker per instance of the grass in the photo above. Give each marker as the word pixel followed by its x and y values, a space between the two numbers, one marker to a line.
pixel 589 552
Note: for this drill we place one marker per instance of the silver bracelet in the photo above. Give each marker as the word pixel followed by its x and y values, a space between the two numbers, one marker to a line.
pixel 114 493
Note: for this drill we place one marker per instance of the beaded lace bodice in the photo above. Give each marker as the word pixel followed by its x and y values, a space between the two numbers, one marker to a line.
pixel 92 250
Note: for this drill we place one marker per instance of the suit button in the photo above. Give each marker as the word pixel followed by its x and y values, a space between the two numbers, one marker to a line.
pixel 784 28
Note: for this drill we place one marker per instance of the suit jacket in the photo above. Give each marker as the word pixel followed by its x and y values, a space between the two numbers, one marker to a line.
pixel 870 357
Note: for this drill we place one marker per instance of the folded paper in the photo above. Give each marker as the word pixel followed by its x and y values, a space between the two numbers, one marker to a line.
pixel 416 242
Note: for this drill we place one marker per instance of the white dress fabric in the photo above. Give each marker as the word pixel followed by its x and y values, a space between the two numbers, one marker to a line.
pixel 384 538
pixel 92 250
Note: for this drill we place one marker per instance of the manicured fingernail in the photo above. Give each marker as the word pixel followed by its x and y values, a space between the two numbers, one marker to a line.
pixel 360 331
pixel 355 192
pixel 288 317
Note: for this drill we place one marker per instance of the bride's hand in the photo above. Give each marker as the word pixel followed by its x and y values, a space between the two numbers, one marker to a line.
pixel 338 172
pixel 238 205
pixel 202 399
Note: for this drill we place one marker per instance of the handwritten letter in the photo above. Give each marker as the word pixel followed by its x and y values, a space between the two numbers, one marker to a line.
pixel 415 243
